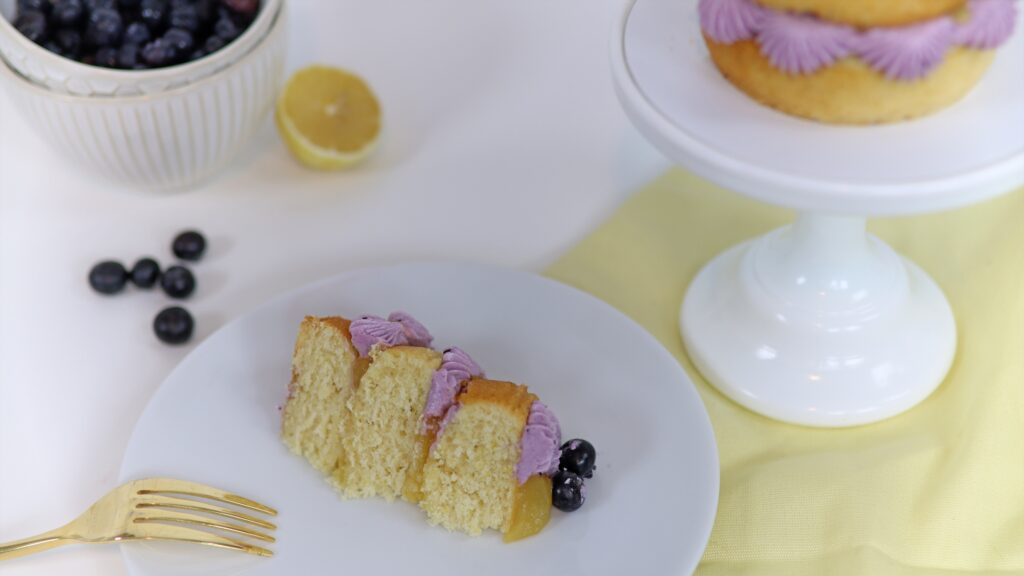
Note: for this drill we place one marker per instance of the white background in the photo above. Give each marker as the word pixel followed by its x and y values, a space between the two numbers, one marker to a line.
pixel 503 143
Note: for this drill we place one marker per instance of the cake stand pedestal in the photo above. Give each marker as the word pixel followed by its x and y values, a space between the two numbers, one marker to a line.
pixel 817 323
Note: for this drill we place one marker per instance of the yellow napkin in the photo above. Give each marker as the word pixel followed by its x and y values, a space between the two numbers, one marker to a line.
pixel 938 490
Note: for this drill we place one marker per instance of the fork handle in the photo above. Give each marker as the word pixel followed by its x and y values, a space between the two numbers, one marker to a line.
pixel 40 543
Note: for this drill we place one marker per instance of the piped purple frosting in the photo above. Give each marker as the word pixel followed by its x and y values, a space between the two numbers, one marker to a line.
pixel 539 445
pixel 456 368
pixel 990 25
pixel 731 21
pixel 801 44
pixel 907 52
pixel 399 329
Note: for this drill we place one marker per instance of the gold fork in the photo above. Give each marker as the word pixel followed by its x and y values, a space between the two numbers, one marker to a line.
pixel 158 509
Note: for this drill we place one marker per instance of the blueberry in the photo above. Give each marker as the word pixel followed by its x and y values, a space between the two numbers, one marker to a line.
pixel 226 29
pixel 247 7
pixel 52 46
pixel 213 43
pixel 105 27
pixel 69 41
pixel 145 273
pixel 67 12
pixel 108 277
pixel 92 5
pixel 128 56
pixel 189 245
pixel 567 491
pixel 137 33
pixel 34 6
pixel 178 282
pixel 32 24
pixel 181 40
pixel 106 57
pixel 153 13
pixel 159 53
pixel 196 55
pixel 128 4
pixel 578 457
pixel 173 325
pixel 185 17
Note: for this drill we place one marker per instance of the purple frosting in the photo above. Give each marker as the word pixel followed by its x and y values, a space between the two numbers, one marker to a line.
pixel 729 21
pixel 539 446
pixel 456 368
pixel 399 329
pixel 802 44
pixel 990 25
pixel 907 52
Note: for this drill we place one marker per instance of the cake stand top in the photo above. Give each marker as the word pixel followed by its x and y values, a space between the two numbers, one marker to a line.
pixel 670 88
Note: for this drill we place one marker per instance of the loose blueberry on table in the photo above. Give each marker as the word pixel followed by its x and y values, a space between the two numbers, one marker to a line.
pixel 173 325
pixel 178 282
pixel 134 34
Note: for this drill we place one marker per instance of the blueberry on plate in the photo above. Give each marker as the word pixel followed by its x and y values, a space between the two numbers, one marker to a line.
pixel 105 27
pixel 154 14
pixel 69 41
pixel 181 40
pixel 578 457
pixel 159 53
pixel 178 282
pixel 189 245
pixel 67 12
pixel 567 491
pixel 137 33
pixel 145 273
pixel 32 24
pixel 173 325
pixel 108 277
pixel 107 57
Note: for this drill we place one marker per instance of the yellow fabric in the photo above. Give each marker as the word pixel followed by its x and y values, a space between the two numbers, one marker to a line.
pixel 938 490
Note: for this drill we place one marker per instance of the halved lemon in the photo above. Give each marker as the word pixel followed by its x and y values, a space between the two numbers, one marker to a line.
pixel 329 118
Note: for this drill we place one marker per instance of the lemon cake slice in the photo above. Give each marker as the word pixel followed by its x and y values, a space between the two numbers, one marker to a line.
pixel 380 413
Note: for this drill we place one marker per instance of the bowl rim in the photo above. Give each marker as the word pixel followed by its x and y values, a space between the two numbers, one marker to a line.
pixel 218 60
pixel 9 74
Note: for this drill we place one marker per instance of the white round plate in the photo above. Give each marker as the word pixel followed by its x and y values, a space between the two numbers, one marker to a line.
pixel 675 95
pixel 650 506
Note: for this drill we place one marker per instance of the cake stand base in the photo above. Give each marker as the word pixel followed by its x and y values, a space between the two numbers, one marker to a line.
pixel 819 324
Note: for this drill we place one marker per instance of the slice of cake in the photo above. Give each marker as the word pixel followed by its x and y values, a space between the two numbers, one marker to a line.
pixel 380 413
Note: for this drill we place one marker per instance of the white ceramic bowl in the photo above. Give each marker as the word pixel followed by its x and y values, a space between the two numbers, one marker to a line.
pixel 66 76
pixel 170 139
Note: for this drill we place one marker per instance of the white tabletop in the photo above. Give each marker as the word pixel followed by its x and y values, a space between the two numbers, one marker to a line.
pixel 504 143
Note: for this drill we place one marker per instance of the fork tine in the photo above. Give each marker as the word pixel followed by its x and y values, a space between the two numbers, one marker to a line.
pixel 181 487
pixel 159 516
pixel 192 535
pixel 160 501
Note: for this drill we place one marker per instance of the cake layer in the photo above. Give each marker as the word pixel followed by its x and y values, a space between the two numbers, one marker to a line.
pixel 325 368
pixel 381 449
pixel 469 480
pixel 849 91
pixel 867 13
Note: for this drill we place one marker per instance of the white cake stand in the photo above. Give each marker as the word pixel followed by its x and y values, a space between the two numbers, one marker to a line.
pixel 817 323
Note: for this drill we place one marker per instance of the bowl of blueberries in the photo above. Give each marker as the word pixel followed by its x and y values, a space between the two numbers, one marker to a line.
pixel 154 93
